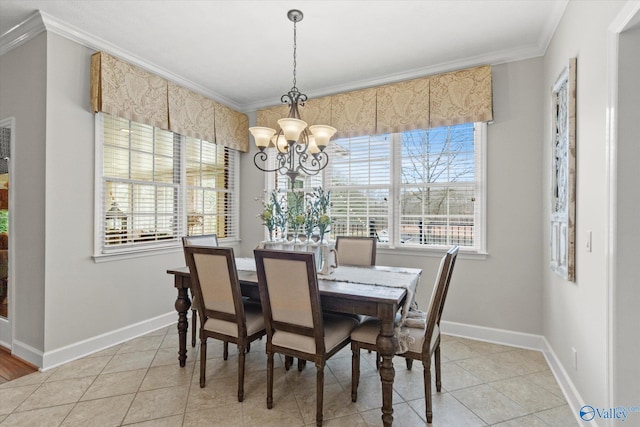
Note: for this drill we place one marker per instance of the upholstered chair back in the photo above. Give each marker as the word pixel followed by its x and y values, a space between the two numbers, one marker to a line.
pixel 356 251
pixel 202 240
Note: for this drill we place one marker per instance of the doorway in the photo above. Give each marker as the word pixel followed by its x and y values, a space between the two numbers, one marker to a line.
pixel 6 291
pixel 624 202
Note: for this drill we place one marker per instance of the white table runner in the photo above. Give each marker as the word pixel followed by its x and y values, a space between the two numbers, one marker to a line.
pixel 397 278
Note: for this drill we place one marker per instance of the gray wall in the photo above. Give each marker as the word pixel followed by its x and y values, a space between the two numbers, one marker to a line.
pixel 23 96
pixel 119 293
pixel 575 314
pixel 63 297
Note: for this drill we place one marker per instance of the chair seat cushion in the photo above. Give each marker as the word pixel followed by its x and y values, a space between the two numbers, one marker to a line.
pixel 254 321
pixel 336 329
pixel 368 332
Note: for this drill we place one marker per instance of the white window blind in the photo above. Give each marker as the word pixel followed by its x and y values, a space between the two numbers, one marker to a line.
pixel 210 189
pixel 359 177
pixel 157 186
pixel 421 188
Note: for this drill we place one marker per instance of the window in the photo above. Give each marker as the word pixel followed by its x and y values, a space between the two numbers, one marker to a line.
pixel 157 186
pixel 415 189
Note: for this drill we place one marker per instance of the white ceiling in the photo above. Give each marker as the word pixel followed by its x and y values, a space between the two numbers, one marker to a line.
pixel 241 52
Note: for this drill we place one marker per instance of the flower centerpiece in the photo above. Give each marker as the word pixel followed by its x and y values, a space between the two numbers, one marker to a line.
pixel 268 218
pixel 295 212
pixel 323 223
pixel 322 203
pixel 285 213
pixel 311 218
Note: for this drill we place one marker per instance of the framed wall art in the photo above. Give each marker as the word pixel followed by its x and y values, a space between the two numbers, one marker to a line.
pixel 563 171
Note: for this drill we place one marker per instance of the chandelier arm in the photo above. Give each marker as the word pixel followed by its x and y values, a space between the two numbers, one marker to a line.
pixel 262 156
pixel 318 162
pixel 281 162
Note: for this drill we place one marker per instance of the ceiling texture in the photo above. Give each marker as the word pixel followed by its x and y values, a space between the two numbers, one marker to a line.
pixel 240 53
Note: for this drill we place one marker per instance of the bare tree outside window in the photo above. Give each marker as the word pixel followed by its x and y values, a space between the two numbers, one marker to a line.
pixel 437 190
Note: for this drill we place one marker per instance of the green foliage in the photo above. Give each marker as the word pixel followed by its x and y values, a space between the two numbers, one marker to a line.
pixel 4 221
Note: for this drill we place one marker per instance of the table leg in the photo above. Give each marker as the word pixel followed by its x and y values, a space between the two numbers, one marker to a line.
pixel 182 306
pixel 387 344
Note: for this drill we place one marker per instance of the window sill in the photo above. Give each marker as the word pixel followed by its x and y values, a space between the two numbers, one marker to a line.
pixel 144 252
pixel 138 253
pixel 430 252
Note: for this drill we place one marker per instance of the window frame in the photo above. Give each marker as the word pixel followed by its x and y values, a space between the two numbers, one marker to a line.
pixel 100 207
pixel 480 188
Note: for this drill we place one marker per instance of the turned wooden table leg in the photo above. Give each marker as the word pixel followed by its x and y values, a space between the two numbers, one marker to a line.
pixel 387 344
pixel 182 306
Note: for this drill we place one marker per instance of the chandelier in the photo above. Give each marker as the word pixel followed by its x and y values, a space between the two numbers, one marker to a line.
pixel 298 148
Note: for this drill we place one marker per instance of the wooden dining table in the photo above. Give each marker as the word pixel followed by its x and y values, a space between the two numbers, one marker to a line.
pixel 345 297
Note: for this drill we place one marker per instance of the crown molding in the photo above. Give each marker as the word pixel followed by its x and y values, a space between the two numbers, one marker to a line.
pixel 493 58
pixel 40 21
pixel 21 33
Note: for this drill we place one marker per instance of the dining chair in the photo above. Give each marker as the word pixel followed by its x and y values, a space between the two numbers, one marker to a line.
pixel 223 314
pixel 426 340
pixel 296 326
pixel 356 251
pixel 210 240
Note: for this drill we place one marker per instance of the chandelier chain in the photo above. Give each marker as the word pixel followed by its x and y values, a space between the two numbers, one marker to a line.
pixel 295 47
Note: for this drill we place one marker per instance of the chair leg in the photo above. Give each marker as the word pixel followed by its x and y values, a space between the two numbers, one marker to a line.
pixel 319 392
pixel 438 379
pixel 194 323
pixel 269 380
pixel 409 363
pixel 241 360
pixel 355 370
pixel 301 364
pixel 427 390
pixel 203 361
pixel 225 351
pixel 248 347
pixel 288 361
pixel 378 361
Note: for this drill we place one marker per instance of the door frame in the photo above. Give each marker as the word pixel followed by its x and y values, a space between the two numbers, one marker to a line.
pixel 7 327
pixel 626 18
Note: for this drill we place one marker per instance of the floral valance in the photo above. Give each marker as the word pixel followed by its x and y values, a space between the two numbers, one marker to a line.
pixel 354 113
pixel 232 128
pixel 127 91
pixel 461 97
pixel 191 114
pixel 458 97
pixel 403 106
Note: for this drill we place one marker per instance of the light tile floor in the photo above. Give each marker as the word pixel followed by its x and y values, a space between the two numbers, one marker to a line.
pixel 140 383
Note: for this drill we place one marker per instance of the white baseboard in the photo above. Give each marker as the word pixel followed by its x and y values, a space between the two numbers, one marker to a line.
pixel 523 340
pixel 493 335
pixel 569 389
pixel 26 353
pixel 74 351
